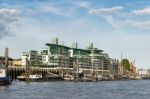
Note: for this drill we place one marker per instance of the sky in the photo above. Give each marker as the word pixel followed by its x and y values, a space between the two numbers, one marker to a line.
pixel 115 26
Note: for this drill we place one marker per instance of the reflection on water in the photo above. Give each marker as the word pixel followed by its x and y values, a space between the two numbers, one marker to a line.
pixel 81 90
pixel 3 87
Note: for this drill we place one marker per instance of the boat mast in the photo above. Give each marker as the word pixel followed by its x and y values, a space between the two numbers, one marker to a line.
pixel 28 69
pixel 62 62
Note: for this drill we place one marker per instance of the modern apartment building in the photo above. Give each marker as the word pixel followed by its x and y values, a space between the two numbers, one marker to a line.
pixel 96 57
pixel 79 56
pixel 55 55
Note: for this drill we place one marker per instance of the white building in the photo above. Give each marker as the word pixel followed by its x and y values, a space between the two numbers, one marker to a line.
pixel 31 56
pixel 142 72
pixel 44 54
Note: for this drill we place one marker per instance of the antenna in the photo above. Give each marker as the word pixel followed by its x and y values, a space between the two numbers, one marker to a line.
pixel 121 56
pixel 134 62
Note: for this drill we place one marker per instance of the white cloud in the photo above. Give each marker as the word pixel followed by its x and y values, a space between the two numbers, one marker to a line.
pixel 106 11
pixel 143 25
pixel 51 9
pixel 57 9
pixel 81 4
pixel 119 24
pixel 144 11
pixel 7 17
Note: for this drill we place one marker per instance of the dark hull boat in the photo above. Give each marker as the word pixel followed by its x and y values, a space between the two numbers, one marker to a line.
pixel 4 79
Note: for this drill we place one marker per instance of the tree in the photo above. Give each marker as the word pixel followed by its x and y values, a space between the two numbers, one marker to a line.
pixel 126 64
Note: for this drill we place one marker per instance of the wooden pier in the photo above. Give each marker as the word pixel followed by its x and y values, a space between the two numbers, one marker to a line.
pixel 14 71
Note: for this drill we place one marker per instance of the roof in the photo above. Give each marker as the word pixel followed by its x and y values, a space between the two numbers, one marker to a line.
pixel 3 57
pixel 95 49
pixel 48 44
pixel 80 49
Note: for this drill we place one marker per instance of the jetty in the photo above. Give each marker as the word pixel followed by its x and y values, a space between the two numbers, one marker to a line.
pixel 15 71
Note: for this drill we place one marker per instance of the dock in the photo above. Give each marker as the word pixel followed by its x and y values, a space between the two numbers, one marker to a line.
pixel 14 71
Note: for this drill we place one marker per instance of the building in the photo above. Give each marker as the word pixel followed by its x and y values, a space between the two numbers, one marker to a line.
pixel 17 62
pixel 58 55
pixel 142 72
pixel 2 61
pixel 44 53
pixel 96 57
pixel 79 57
pixel 106 62
pixel 114 67
pixel 32 56
pixel 55 55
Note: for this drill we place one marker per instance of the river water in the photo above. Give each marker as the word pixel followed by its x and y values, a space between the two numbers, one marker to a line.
pixel 139 89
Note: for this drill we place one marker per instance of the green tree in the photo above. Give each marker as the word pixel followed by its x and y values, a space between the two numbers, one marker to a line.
pixel 126 64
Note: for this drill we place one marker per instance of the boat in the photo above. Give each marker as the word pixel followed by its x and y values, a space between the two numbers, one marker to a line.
pixel 87 79
pixel 99 78
pixel 31 77
pixel 68 77
pixel 107 78
pixel 4 79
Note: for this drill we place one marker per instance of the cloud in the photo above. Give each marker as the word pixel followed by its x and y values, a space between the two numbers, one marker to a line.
pixel 4 30
pixel 144 11
pixel 106 11
pixel 60 9
pixel 119 24
pixel 143 25
pixel 7 17
pixel 82 4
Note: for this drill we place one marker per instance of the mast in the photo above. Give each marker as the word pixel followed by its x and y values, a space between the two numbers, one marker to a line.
pixel 121 67
pixel 73 72
pixel 77 64
pixel 62 62
pixel 28 69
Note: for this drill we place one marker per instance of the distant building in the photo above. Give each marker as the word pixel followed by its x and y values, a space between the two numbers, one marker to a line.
pixel 59 55
pixel 2 60
pixel 114 67
pixel 32 56
pixel 45 58
pixel 142 72
pixel 106 61
pixel 17 62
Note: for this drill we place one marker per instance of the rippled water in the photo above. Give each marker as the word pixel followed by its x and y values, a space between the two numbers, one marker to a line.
pixel 81 90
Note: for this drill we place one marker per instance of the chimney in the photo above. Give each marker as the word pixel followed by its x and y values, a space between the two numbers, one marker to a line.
pixel 91 46
pixel 6 57
pixel 55 41
pixel 75 45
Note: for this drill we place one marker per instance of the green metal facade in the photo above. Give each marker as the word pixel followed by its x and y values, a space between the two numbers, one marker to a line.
pixel 81 57
pixel 58 55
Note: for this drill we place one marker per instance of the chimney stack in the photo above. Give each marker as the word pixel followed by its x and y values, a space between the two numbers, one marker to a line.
pixel 6 57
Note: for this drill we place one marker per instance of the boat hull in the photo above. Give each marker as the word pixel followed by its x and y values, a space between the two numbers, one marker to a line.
pixel 5 80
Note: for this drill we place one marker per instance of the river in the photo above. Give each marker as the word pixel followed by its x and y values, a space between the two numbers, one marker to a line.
pixel 138 89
